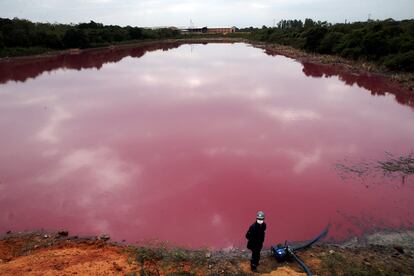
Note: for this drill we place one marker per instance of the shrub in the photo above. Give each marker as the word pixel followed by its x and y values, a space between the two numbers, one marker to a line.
pixel 330 42
pixel 75 38
pixel 401 62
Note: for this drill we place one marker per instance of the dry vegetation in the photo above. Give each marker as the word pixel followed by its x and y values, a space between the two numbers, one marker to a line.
pixel 59 254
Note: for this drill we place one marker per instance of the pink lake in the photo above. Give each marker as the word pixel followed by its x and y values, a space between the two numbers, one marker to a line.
pixel 185 142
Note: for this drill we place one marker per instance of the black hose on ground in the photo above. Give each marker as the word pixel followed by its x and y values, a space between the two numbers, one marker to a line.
pixel 302 264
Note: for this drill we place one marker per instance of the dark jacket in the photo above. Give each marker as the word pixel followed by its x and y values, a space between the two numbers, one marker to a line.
pixel 255 236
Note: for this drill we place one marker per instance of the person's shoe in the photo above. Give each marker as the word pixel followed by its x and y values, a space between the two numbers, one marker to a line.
pixel 254 268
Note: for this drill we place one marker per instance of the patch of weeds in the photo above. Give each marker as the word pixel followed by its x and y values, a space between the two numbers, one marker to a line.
pixel 359 169
pixel 181 273
pixel 148 258
pixel 152 258
pixel 198 257
pixel 402 164
pixel 178 255
pixel 336 264
pixel 398 167
pixel 153 254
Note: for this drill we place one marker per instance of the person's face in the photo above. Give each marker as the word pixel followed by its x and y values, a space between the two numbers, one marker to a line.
pixel 260 221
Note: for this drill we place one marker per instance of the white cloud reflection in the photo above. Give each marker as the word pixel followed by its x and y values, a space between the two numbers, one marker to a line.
pixel 44 104
pixel 217 151
pixel 49 132
pixel 288 115
pixel 216 220
pixel 150 79
pixel 304 160
pixel 101 168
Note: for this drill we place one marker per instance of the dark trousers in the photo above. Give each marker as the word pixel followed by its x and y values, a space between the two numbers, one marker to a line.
pixel 254 262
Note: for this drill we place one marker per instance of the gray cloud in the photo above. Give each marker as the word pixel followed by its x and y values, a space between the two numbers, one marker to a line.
pixel 211 13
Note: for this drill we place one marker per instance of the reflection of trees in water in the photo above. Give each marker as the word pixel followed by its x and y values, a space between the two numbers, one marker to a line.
pixel 403 165
pixel 371 172
pixel 23 69
pixel 375 84
pixel 364 223
pixel 394 172
pixel 356 225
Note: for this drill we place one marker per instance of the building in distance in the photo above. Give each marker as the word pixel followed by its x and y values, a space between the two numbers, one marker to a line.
pixel 206 30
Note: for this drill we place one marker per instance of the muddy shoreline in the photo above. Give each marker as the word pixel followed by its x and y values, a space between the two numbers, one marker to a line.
pixel 54 253
pixel 403 79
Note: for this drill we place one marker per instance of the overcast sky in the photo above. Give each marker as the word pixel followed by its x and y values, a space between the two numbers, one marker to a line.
pixel 212 13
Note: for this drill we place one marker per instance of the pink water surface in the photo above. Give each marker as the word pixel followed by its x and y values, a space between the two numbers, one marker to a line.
pixel 184 143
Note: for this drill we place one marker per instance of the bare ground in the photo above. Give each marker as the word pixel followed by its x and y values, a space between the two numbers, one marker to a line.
pixel 386 253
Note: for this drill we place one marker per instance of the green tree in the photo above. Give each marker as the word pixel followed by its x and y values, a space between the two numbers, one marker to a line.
pixel 1 40
pixel 135 33
pixel 75 38
pixel 17 38
pixel 330 42
pixel 309 23
pixel 401 62
pixel 313 38
pixel 375 45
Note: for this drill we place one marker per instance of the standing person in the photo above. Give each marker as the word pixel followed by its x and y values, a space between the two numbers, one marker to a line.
pixel 255 236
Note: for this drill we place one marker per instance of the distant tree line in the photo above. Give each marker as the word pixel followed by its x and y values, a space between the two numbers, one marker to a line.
pixel 387 42
pixel 19 36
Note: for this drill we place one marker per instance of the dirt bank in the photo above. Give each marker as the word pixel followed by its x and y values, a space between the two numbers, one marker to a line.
pixel 59 254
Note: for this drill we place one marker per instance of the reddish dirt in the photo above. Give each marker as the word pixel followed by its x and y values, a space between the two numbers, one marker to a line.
pixel 27 255
pixel 37 254
pixel 53 254
pixel 70 260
